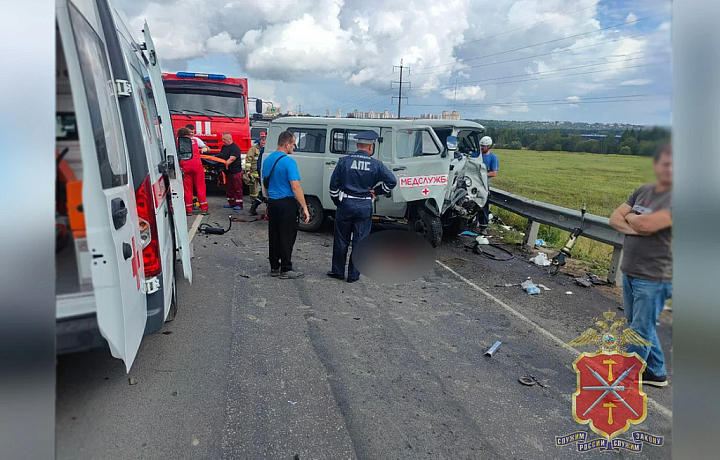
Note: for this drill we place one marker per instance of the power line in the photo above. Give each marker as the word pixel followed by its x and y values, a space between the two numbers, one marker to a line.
pixel 539 44
pixel 589 100
pixel 468 83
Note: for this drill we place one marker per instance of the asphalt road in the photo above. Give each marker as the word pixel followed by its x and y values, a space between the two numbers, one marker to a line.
pixel 254 367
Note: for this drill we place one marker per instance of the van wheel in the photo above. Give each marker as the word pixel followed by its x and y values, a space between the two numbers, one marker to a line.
pixel 173 299
pixel 317 215
pixel 427 225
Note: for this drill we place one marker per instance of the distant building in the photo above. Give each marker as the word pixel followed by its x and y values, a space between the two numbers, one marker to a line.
pixel 339 114
pixel 327 112
pixel 455 115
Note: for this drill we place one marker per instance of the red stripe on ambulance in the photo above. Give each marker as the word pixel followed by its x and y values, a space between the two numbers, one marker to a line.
pixel 423 181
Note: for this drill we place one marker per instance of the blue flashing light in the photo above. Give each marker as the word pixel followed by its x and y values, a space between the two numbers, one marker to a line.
pixel 216 76
pixel 209 76
pixel 185 74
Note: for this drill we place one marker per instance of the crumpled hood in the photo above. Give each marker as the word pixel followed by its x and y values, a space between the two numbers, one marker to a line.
pixel 477 172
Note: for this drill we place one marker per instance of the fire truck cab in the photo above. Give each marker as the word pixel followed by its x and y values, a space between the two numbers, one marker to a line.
pixel 119 204
pixel 214 104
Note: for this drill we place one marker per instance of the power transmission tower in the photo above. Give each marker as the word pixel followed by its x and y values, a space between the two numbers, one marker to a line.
pixel 455 97
pixel 400 85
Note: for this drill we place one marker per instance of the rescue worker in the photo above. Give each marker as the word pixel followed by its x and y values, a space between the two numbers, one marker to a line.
pixel 353 186
pixel 203 147
pixel 251 175
pixel 234 173
pixel 193 175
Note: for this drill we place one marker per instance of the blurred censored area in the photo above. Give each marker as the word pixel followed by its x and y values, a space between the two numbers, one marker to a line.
pixel 394 256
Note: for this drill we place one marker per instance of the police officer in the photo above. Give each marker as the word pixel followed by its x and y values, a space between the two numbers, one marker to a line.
pixel 353 185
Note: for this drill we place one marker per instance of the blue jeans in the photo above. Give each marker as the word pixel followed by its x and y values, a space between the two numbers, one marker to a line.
pixel 643 301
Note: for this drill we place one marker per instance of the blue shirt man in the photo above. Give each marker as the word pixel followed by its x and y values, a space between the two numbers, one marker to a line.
pixel 353 185
pixel 284 195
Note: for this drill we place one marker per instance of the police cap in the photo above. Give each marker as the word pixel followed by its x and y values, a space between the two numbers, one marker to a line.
pixel 369 136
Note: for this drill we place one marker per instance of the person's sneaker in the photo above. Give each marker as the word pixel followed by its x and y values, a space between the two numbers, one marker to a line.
pixel 238 208
pixel 227 206
pixel 204 213
pixel 352 280
pixel 274 272
pixel 188 214
pixel 337 276
pixel 654 380
pixel 291 275
pixel 483 231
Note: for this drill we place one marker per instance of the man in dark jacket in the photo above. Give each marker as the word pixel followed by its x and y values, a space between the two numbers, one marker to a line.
pixel 233 175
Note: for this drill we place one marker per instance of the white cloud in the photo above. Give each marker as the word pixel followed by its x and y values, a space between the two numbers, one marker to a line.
pixel 631 17
pixel 636 82
pixel 572 98
pixel 465 93
pixel 222 43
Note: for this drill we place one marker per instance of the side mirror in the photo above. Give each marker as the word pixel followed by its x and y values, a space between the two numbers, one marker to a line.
pixel 451 143
pixel 185 148
pixel 258 105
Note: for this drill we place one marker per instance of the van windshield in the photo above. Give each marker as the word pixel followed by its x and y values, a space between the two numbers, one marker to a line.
pixel 213 105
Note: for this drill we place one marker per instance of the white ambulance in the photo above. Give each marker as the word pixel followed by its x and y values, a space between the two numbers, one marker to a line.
pixel 121 225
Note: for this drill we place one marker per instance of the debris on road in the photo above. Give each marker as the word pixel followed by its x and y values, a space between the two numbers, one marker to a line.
pixel 175 393
pixel 491 351
pixel 468 233
pixel 584 282
pixel 132 381
pixel 508 285
pixel 541 260
pixel 530 287
pixel 234 242
pixel 195 442
pixel 292 402
pixel 527 381
pixel 568 292
pixel 482 240
pixel 243 275
pixel 540 242
pixel 538 381
pixel 545 288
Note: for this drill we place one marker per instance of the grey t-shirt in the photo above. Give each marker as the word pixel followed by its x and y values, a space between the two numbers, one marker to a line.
pixel 649 257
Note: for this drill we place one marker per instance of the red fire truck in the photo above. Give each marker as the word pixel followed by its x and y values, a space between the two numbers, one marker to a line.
pixel 214 104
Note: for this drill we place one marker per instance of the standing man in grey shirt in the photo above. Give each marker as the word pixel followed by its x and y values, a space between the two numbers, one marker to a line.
pixel 646 220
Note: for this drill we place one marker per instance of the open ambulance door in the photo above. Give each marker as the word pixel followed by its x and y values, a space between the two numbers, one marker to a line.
pixel 174 172
pixel 109 208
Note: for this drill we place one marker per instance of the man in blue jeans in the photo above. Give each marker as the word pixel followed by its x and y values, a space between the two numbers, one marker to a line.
pixel 646 220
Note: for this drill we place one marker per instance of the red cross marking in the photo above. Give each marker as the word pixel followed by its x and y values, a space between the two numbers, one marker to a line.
pixel 425 191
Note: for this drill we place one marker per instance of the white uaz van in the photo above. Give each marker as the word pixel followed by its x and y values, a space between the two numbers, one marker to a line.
pixel 120 210
pixel 441 187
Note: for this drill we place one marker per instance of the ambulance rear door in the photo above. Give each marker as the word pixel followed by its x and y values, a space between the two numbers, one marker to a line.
pixel 172 165
pixel 109 207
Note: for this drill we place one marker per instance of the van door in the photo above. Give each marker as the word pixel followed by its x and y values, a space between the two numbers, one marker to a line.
pixel 172 165
pixel 421 172
pixel 109 207
pixel 385 205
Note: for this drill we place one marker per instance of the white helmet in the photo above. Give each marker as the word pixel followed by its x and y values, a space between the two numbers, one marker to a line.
pixel 486 140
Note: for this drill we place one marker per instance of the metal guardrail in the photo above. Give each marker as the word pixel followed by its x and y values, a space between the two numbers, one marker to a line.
pixel 537 212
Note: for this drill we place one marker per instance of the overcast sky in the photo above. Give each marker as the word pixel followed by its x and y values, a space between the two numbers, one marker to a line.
pixel 577 60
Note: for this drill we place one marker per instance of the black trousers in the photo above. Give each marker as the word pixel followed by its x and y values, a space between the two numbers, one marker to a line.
pixel 283 221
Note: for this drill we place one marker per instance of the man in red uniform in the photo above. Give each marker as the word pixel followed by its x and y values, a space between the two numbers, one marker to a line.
pixel 193 175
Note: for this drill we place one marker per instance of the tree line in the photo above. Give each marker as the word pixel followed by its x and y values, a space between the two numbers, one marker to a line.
pixel 641 142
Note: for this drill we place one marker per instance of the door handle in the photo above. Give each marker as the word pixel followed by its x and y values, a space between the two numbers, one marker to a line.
pixel 119 212
pixel 333 162
pixel 400 168
pixel 127 250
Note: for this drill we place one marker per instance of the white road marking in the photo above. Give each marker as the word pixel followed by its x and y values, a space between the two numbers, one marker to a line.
pixel 656 405
pixel 195 226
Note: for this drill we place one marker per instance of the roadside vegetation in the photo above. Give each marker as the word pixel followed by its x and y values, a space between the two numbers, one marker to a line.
pixel 569 179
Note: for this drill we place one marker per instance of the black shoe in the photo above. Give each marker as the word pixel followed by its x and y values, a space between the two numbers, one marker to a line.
pixel 274 272
pixel 291 275
pixel 352 280
pixel 483 231
pixel 654 380
pixel 253 208
pixel 337 276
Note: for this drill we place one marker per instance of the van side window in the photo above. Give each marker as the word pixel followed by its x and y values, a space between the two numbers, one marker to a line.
pixel 343 141
pixel 100 93
pixel 309 140
pixel 415 143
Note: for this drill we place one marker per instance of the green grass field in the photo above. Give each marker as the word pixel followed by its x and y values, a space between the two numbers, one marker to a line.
pixel 570 179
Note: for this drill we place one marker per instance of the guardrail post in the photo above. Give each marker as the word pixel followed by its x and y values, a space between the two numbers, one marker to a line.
pixel 615 274
pixel 531 233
